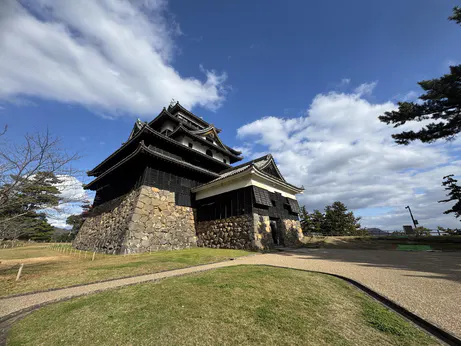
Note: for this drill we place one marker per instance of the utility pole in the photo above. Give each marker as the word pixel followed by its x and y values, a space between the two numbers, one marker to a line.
pixel 415 222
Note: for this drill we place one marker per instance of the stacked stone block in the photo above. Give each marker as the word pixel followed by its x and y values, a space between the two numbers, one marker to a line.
pixel 235 232
pixel 146 219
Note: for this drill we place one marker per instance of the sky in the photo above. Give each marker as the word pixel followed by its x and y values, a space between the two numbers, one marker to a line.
pixel 302 80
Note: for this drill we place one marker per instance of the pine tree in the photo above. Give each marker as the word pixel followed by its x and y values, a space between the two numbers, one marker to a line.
pixel 454 194
pixel 21 217
pixel 311 223
pixel 338 221
pixel 440 103
pixel 76 221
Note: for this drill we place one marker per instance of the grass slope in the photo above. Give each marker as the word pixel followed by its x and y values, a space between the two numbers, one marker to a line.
pixel 46 268
pixel 243 305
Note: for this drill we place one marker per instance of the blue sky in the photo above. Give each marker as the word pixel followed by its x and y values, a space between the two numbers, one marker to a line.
pixel 294 61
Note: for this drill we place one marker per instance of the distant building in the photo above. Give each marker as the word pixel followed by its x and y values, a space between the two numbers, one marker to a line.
pixel 377 231
pixel 171 186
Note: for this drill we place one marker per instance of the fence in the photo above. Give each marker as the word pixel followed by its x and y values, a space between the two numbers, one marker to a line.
pixel 376 233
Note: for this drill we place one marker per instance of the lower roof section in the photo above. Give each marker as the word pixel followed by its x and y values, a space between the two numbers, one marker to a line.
pixel 142 149
pixel 243 177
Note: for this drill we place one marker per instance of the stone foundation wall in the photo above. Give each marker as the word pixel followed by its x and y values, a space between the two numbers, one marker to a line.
pixel 293 233
pixel 262 232
pixel 159 224
pixel 235 232
pixel 251 232
pixel 146 219
pixel 105 232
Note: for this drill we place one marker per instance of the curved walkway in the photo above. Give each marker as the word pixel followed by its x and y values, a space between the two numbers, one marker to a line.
pixel 427 284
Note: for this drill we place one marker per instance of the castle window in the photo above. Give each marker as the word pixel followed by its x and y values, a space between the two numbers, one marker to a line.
pixel 224 160
pixel 191 145
pixel 209 153
pixel 209 139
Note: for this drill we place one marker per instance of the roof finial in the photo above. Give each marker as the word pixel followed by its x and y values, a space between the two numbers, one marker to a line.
pixel 172 103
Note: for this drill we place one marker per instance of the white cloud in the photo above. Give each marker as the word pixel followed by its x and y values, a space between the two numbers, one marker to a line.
pixel 344 82
pixel 73 195
pixel 110 55
pixel 365 88
pixel 410 96
pixel 340 151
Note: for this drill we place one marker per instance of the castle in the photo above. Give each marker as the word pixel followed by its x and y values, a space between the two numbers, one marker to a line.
pixel 171 186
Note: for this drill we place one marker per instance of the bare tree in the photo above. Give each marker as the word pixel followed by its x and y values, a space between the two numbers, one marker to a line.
pixel 38 160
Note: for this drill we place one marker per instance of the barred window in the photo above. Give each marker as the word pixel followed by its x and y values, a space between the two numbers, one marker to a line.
pixel 262 196
pixel 294 207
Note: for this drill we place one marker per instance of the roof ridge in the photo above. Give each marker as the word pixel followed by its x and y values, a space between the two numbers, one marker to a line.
pixel 244 164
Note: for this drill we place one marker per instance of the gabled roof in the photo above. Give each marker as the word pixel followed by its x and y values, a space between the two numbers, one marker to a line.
pixel 257 166
pixel 259 162
pixel 270 167
pixel 206 131
pixel 233 151
pixel 146 128
pixel 142 148
pixel 178 108
pixel 136 127
pixel 221 147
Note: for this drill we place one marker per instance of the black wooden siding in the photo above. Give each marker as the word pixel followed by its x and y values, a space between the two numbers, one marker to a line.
pixel 150 171
pixel 243 201
pixel 179 181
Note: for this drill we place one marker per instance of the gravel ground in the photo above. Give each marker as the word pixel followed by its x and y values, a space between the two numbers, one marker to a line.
pixel 426 283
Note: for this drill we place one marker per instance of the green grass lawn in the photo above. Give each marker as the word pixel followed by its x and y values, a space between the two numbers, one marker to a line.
pixel 242 305
pixel 45 268
pixel 28 251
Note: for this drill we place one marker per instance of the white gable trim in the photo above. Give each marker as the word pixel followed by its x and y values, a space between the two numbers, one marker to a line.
pixel 241 180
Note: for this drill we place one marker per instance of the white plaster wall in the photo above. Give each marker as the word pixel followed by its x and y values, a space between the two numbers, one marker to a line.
pixel 247 180
pixel 202 148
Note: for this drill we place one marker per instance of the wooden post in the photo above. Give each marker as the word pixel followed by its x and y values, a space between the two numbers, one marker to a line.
pixel 19 272
pixel 94 254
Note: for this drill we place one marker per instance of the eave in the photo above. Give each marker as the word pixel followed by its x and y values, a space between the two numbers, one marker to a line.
pixel 250 170
pixel 159 135
pixel 206 130
pixel 141 149
pixel 182 129
pixel 165 113
pixel 178 108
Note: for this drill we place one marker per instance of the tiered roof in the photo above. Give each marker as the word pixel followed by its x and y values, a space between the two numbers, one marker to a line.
pixel 220 146
pixel 145 135
pixel 155 152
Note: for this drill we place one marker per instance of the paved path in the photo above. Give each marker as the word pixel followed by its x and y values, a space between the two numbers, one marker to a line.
pixel 428 284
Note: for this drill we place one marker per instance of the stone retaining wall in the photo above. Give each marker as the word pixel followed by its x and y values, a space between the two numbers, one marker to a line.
pixel 262 231
pixel 159 224
pixel 146 219
pixel 293 233
pixel 106 230
pixel 235 232
pixel 251 232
